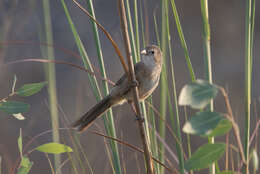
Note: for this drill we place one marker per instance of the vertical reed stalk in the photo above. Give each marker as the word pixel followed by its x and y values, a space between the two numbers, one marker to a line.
pixel 176 122
pixel 51 76
pixel 207 57
pixel 124 27
pixel 109 120
pixel 163 82
pixel 135 46
pixel 250 17
pixel 150 116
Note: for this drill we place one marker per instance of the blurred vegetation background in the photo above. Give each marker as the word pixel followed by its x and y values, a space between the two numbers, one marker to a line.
pixel 23 21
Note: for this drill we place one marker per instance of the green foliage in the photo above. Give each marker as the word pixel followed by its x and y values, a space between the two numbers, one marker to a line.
pixel 222 128
pixel 54 148
pixel 20 143
pixel 182 39
pixel 255 160
pixel 30 89
pixel 209 124
pixel 204 123
pixel 197 94
pixel 14 107
pixel 25 166
pixel 108 121
pixel 204 156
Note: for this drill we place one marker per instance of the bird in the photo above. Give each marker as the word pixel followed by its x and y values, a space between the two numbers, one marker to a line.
pixel 147 73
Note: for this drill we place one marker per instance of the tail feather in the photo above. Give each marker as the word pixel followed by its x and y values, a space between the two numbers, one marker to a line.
pixel 86 120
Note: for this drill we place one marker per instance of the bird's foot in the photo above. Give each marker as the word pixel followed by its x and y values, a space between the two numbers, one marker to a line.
pixel 134 84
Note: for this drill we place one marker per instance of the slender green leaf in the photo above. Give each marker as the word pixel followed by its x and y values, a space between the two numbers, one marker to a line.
pixel 14 107
pixel 197 94
pixel 25 166
pixel 182 39
pixel 255 160
pixel 163 83
pixel 83 53
pixel 222 128
pixel 131 33
pixel 175 117
pixel 203 123
pixel 30 89
pixel 109 119
pixel 204 156
pixel 54 148
pixel 20 143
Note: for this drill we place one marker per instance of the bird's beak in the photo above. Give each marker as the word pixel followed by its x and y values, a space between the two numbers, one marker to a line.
pixel 143 52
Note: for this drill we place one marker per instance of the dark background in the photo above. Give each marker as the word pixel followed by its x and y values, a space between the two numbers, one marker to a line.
pixel 23 20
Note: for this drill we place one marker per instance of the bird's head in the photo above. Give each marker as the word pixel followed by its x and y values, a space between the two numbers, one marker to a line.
pixel 152 53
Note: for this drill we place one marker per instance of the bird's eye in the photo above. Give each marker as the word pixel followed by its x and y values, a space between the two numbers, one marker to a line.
pixel 152 52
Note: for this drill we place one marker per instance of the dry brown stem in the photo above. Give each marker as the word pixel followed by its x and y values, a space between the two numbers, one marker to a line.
pixel 132 79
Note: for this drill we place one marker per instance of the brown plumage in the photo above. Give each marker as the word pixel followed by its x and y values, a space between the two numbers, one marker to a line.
pixel 147 74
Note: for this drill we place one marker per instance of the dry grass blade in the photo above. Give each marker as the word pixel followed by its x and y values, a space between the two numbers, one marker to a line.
pixel 33 43
pixel 167 126
pixel 132 147
pixel 254 132
pixel 64 63
pixel 230 117
pixel 107 34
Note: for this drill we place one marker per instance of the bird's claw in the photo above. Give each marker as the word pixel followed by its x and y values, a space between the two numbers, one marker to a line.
pixel 134 83
pixel 139 118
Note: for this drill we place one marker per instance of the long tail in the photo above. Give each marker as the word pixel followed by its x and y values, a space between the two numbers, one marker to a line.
pixel 86 120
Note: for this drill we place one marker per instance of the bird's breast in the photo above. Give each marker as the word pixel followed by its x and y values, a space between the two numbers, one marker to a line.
pixel 148 85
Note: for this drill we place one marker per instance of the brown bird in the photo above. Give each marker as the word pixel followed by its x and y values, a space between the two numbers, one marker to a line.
pixel 147 73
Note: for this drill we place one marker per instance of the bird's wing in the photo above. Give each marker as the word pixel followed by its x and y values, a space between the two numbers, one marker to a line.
pixel 121 80
pixel 138 69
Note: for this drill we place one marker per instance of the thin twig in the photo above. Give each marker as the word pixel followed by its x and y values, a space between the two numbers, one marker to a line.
pixel 107 34
pixel 254 132
pixel 10 95
pixel 28 42
pixel 157 113
pixel 132 78
pixel 234 124
pixel 49 161
pixel 132 147
pixel 54 46
pixel 64 63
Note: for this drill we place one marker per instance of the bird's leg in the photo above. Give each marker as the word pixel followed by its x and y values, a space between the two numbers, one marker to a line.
pixel 133 107
pixel 138 118
pixel 134 83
